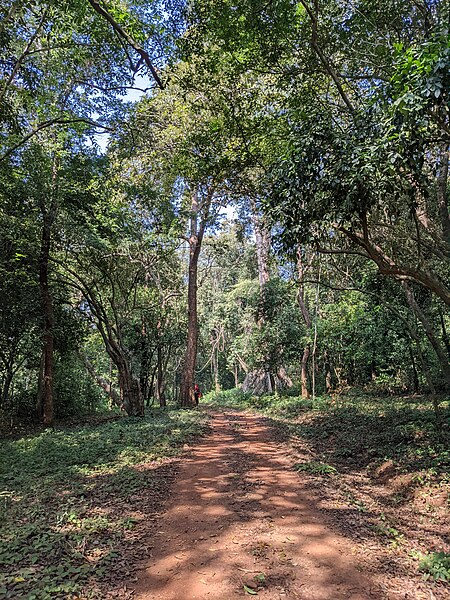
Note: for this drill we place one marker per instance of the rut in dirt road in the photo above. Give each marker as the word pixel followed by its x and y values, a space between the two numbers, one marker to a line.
pixel 240 516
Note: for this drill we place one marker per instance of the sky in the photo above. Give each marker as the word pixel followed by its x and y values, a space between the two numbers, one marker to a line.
pixel 133 95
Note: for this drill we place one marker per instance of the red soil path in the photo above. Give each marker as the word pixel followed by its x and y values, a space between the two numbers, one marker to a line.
pixel 239 515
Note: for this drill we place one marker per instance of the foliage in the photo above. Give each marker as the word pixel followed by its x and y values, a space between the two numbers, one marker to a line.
pixel 316 468
pixel 67 505
pixel 435 565
pixel 355 429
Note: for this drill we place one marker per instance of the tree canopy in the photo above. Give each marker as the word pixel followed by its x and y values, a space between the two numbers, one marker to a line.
pixel 270 210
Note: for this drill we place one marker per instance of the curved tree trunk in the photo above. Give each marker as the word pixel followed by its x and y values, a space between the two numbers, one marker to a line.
pixel 131 399
pixel 103 383
pixel 432 338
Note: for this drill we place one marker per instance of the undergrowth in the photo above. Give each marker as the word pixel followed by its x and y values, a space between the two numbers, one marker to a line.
pixel 362 434
pixel 357 429
pixel 66 500
pixel 435 565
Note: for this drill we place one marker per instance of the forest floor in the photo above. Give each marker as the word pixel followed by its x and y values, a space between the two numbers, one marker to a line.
pixel 273 497
pixel 242 521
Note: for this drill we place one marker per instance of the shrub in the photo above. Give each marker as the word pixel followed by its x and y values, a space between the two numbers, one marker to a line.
pixel 435 565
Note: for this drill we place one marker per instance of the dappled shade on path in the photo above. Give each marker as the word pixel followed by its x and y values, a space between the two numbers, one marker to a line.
pixel 241 516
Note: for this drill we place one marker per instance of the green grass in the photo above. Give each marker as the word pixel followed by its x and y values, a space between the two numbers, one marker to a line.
pixel 316 468
pixel 360 433
pixel 67 500
pixel 277 405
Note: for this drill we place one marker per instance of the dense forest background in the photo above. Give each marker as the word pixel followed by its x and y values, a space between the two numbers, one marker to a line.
pixel 244 193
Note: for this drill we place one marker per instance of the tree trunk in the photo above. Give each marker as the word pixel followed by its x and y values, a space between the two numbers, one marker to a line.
pixel 103 383
pixel 145 362
pixel 435 343
pixel 445 338
pixel 195 242
pixel 387 266
pixel 151 387
pixel 262 239
pixel 262 380
pixel 442 178
pixel 6 387
pixel 187 381
pixel 414 370
pixel 214 340
pixel 328 378
pixel 304 372
pixel 131 398
pixel 46 391
pixel 307 320
pixel 39 402
pixel 190 358
pixel 130 391
pixel 160 393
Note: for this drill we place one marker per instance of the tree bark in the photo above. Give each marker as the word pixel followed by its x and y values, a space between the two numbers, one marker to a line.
pixel 445 337
pixel 262 239
pixel 151 387
pixel 414 370
pixel 45 393
pixel 103 383
pixel 442 179
pixel 130 390
pixel 110 331
pixel 436 345
pixel 9 375
pixel 131 398
pixel 304 372
pixel 215 342
pixel 195 242
pixel 307 320
pixel 49 324
pixel 387 266
pixel 160 392
pixel 261 380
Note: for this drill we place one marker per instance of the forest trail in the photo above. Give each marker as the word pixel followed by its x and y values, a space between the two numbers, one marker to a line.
pixel 240 516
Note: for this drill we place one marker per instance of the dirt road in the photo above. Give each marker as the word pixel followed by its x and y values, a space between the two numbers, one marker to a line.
pixel 241 520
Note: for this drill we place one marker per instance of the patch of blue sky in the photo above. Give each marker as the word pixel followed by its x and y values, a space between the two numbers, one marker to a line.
pixel 140 87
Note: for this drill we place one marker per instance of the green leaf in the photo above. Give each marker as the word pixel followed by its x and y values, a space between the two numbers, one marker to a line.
pixel 250 591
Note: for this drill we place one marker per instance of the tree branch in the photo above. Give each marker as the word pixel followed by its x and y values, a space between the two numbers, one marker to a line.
pixel 44 125
pixel 123 34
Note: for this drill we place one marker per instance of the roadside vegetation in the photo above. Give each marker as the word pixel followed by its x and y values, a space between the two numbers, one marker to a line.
pixel 235 194
pixel 76 502
pixel 379 467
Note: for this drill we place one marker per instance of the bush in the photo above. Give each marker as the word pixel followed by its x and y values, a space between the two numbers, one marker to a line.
pixel 283 405
pixel 435 565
